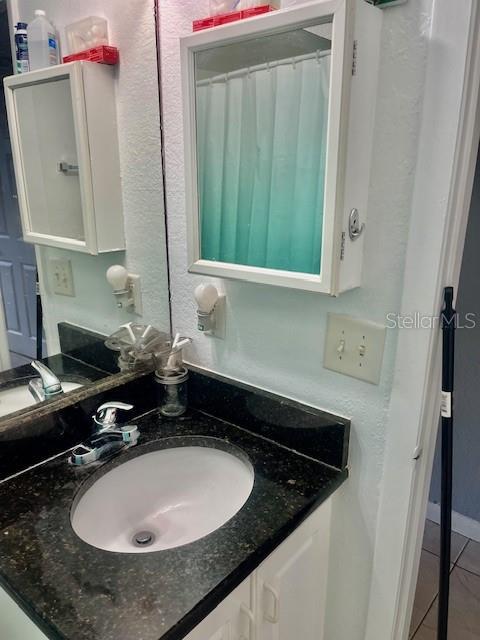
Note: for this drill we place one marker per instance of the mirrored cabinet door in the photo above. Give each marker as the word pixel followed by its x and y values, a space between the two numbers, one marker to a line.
pixel 47 143
pixel 63 131
pixel 266 122
pixel 261 149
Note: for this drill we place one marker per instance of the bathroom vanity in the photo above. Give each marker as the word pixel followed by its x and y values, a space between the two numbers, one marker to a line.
pixel 262 574
pixel 214 525
pixel 295 606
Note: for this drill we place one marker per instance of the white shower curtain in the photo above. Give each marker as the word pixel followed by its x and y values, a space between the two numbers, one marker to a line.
pixel 261 139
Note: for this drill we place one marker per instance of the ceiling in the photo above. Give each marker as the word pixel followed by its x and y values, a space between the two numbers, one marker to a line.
pixel 267 48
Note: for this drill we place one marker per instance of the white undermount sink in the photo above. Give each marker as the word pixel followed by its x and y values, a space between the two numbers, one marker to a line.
pixel 19 397
pixel 163 499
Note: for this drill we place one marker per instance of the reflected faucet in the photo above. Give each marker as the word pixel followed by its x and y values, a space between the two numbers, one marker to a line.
pixel 47 385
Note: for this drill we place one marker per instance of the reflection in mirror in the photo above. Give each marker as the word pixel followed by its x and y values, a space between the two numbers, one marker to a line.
pixel 261 120
pixel 62 219
pixel 41 150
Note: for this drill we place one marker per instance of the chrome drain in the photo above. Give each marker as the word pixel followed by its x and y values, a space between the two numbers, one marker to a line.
pixel 143 539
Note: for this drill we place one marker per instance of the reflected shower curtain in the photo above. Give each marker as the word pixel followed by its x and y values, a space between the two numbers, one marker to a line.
pixel 261 140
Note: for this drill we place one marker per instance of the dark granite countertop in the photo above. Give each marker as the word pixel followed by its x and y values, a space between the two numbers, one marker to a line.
pixel 76 592
pixel 64 366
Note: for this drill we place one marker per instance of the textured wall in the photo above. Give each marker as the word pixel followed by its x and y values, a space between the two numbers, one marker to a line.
pixel 466 435
pixel 275 336
pixel 132 29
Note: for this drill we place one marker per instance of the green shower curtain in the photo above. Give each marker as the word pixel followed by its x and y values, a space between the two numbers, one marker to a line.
pixel 261 144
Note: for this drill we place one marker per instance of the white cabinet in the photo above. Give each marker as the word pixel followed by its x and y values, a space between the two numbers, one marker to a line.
pixel 285 598
pixel 231 620
pixel 14 623
pixel 266 119
pixel 63 130
pixel 291 583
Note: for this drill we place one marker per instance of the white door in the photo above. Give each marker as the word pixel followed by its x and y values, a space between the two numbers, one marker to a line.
pixel 231 620
pixel 291 584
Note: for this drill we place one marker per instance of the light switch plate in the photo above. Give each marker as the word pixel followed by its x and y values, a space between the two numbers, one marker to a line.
pixel 61 276
pixel 354 347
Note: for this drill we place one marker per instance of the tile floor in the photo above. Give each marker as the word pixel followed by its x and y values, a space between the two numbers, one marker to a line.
pixel 464 621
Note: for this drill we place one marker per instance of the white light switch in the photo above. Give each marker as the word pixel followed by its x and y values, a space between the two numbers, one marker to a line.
pixel 354 347
pixel 61 276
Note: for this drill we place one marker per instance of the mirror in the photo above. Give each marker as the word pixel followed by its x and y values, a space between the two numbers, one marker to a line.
pixel 261 121
pixel 266 121
pixel 94 220
pixel 46 186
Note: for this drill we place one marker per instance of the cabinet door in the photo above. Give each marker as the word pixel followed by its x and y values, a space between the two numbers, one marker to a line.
pixel 291 583
pixel 231 620
pixel 63 130
pixel 14 624
pixel 265 127
pixel 46 132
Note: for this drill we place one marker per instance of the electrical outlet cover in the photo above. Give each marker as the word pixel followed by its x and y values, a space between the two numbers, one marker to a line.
pixel 354 347
pixel 61 276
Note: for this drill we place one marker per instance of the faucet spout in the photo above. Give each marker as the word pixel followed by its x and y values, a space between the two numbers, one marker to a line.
pixel 47 385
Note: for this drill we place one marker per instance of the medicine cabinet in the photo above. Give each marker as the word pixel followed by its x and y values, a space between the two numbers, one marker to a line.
pixel 266 117
pixel 63 132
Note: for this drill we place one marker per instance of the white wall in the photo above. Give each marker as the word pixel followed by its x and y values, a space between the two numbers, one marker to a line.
pixel 275 336
pixel 132 30
pixel 447 148
pixel 93 306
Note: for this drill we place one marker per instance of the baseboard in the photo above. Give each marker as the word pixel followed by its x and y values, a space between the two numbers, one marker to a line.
pixel 460 524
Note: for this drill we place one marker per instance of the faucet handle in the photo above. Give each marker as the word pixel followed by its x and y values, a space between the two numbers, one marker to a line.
pixel 130 433
pixel 106 414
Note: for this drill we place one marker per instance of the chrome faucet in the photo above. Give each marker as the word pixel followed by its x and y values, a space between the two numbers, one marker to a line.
pixel 47 385
pixel 109 436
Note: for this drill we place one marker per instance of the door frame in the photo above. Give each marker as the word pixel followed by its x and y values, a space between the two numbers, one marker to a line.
pixel 5 359
pixel 440 207
pixel 14 17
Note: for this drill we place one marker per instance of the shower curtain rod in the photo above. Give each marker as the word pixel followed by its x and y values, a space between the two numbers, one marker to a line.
pixel 239 73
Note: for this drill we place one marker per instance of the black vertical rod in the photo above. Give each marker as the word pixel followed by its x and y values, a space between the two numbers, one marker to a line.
pixel 39 336
pixel 448 335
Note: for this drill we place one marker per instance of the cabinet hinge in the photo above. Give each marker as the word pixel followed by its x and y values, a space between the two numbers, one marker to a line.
pixel 354 58
pixel 342 246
